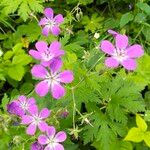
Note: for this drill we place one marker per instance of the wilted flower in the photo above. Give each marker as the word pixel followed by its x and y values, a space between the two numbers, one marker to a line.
pixel 37 146
pixel 52 140
pixel 121 53
pixel 51 23
pixel 51 81
pixel 35 119
pixel 46 54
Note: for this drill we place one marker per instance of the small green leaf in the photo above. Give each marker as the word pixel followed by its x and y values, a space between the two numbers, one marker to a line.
pixel 5 101
pixel 147 138
pixel 144 7
pixel 126 18
pixel 8 55
pixel 141 123
pixel 134 135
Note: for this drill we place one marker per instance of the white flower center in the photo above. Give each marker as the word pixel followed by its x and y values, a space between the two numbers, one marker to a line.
pixel 120 54
pixel 24 105
pixel 50 23
pixel 46 55
pixel 36 119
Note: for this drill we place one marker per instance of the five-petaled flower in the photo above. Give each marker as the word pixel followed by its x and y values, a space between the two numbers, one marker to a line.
pixel 51 23
pixel 35 119
pixel 47 54
pixel 51 80
pixel 121 53
pixel 51 139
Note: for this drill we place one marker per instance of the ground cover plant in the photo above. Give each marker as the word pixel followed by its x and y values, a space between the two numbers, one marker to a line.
pixel 74 75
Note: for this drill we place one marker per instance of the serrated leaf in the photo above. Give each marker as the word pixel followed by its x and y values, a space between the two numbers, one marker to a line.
pixel 134 135
pixel 141 123
pixel 126 18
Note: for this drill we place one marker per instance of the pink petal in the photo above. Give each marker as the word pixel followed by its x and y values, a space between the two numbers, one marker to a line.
pixel 35 54
pixel 33 110
pixel 111 62
pixel 22 99
pixel 55 65
pixel 39 71
pixel 41 46
pixel 66 76
pixel 44 113
pixel 46 30
pixel 42 126
pixel 121 41
pixel 60 136
pixel 129 64
pixel 55 30
pixel 58 146
pixel 57 90
pixel 31 129
pixel 51 132
pixel 59 18
pixel 135 51
pixel 42 139
pixel 26 119
pixel 49 13
pixel 54 146
pixel 43 21
pixel 112 32
pixel 42 88
pixel 31 101
pixel 107 47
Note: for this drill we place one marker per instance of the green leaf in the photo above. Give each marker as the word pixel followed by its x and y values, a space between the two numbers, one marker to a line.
pixel 126 18
pixel 134 135
pixel 147 138
pixel 141 123
pixel 16 72
pixel 144 7
pixel 5 101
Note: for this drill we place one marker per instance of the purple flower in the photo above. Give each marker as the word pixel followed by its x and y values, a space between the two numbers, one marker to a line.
pixel 51 80
pixel 51 23
pixel 35 119
pixel 37 146
pixel 121 53
pixel 15 109
pixel 25 103
pixel 51 140
pixel 47 54
pixel 112 32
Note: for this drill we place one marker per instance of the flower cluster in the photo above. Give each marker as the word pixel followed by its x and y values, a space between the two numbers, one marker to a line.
pixel 122 53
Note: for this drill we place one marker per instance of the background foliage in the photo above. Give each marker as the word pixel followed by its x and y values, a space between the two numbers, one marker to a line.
pixel 103 103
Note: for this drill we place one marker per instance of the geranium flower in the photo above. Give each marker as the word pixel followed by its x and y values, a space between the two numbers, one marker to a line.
pixel 51 23
pixel 35 119
pixel 112 32
pixel 121 53
pixel 37 146
pixel 46 54
pixel 52 140
pixel 51 80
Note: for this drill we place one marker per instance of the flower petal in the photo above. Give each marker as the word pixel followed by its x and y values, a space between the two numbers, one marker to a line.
pixel 129 64
pixel 43 21
pixel 35 54
pixel 59 18
pixel 36 146
pixel 112 32
pixel 33 110
pixel 31 101
pixel 42 139
pixel 55 30
pixel 39 71
pixel 60 136
pixel 54 146
pixel 121 41
pixel 107 47
pixel 26 119
pixel 44 113
pixel 58 146
pixel 111 62
pixel 46 30
pixel 42 88
pixel 48 12
pixel 66 76
pixel 41 46
pixel 55 65
pixel 31 129
pixel 42 126
pixel 22 98
pixel 135 51
pixel 57 90
pixel 50 131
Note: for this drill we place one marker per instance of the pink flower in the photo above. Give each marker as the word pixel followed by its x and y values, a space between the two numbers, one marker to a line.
pixel 51 140
pixel 35 119
pixel 46 54
pixel 51 80
pixel 112 32
pixel 121 53
pixel 51 23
